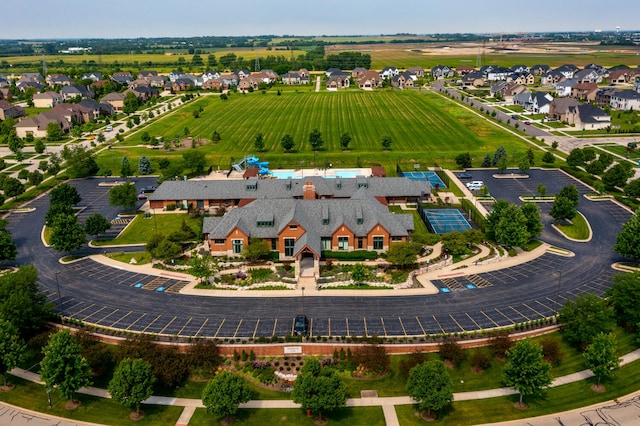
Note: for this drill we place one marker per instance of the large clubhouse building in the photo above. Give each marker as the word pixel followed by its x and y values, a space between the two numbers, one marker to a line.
pixel 299 218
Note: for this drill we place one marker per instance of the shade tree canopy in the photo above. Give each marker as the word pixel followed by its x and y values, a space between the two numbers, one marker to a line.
pixel 526 370
pixel 628 240
pixel 319 389
pixel 132 383
pixel 225 393
pixel 585 317
pixel 430 386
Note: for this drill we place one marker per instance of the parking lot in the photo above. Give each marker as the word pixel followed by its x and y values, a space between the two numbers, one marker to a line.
pixel 113 297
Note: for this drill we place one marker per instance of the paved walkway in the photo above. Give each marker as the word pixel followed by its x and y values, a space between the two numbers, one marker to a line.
pixel 387 403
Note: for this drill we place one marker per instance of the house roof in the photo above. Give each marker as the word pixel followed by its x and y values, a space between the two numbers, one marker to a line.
pixel 561 105
pixel 591 114
pixel 47 95
pixel 277 188
pixel 627 94
pixel 360 214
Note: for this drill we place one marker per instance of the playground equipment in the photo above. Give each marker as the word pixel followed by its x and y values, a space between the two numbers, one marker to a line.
pixel 252 161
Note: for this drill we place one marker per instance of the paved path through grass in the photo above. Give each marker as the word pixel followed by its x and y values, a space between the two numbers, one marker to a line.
pixel 387 403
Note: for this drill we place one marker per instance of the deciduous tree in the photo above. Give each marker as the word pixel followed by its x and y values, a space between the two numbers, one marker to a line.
pixel 54 132
pixel 21 301
pixel 132 383
pixel 563 209
pixel 601 357
pixel 195 160
pixel 319 389
pixel 66 233
pixel 387 142
pixel 258 143
pixel 8 249
pixel 224 394
pixel 403 254
pixel 624 296
pixel 430 386
pixel 526 370
pixel 124 196
pixel 463 160
pixel 12 348
pixel 315 139
pixel 63 365
pixel 534 223
pixel 345 140
pixel 628 240
pixel 96 224
pixel 585 318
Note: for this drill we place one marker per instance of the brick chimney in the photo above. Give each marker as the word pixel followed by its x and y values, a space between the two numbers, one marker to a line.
pixel 309 191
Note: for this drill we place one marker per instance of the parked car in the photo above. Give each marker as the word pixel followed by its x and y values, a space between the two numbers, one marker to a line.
pixel 527 122
pixel 148 189
pixel 301 326
pixel 475 185
pixel 515 117
pixel 108 128
pixel 464 175
pixel 142 196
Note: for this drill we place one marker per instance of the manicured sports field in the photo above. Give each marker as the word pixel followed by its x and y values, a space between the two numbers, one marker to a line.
pixel 425 128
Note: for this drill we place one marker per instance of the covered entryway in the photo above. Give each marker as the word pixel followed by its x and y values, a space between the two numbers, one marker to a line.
pixel 307 264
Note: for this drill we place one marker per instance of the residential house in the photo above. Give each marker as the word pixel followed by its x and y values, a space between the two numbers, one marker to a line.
pixel 625 100
pixel 210 75
pixel 602 71
pixel 564 88
pixel 304 73
pixel 229 80
pixel 46 99
pixel 525 79
pixel 463 70
pixel 115 99
pixel 338 81
pixel 242 74
pixel 271 74
pixel 147 74
pixel 331 71
pixel 520 69
pixel 358 72
pixel 440 72
pixel 568 70
pixel 99 109
pixel 402 80
pixel 4 82
pixel 5 93
pixel 123 78
pixel 540 102
pixel 496 87
pixel 552 78
pixel 370 80
pixel 299 230
pixel 388 72
pixel 251 81
pixel 143 93
pixel 59 79
pixel 262 76
pixel 540 69
pixel 416 72
pixel 174 75
pixel 181 84
pixel 77 90
pixel 603 95
pixel 510 90
pixel 621 76
pixel 291 78
pixel 214 84
pixel 587 75
pixel 37 126
pixel 24 85
pixel 34 77
pixel 585 91
pixel 9 110
pixel 74 113
pixel 522 99
pixel 636 84
pixel 494 73
pixel 95 76
pixel 157 81
pixel 588 117
pixel 473 79
pixel 559 107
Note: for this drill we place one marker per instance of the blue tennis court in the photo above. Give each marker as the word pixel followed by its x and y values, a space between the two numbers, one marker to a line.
pixel 441 221
pixel 432 177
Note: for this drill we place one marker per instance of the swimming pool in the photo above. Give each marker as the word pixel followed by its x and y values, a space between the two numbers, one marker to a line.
pixel 328 173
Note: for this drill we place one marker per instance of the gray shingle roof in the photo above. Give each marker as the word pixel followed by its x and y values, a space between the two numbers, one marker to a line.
pixel 277 188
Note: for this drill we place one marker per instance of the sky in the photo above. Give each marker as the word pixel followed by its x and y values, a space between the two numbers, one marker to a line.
pixel 36 19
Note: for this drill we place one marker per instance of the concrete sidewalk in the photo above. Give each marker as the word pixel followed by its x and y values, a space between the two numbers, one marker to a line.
pixel 387 403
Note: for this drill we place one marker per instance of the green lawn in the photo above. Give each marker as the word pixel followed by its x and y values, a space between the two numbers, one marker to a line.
pixel 363 416
pixel 142 229
pixel 96 410
pixel 578 230
pixel 140 257
pixel 621 150
pixel 424 127
pixel 556 400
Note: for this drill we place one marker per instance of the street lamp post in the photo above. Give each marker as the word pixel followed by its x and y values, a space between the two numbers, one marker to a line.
pixel 58 287
pixel 558 291
pixel 302 288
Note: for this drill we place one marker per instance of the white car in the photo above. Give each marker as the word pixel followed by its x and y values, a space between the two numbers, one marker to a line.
pixel 475 185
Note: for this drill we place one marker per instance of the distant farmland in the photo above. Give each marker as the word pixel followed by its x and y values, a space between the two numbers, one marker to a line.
pixel 424 127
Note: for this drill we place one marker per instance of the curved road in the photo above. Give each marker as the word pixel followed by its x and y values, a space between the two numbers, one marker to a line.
pixel 530 291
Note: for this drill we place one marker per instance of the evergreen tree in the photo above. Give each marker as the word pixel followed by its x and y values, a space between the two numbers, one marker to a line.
pixel 498 155
pixel 125 168
pixel 486 161
pixel 144 166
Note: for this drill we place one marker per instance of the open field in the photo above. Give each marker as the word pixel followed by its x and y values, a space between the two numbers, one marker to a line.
pixel 424 127
pixel 400 55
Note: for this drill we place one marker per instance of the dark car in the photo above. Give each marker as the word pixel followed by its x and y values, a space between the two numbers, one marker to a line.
pixel 464 175
pixel 515 117
pixel 301 326
pixel 148 189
